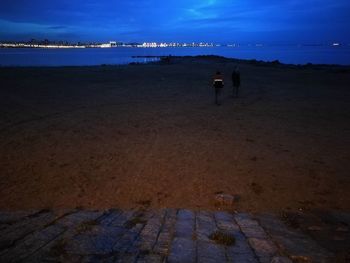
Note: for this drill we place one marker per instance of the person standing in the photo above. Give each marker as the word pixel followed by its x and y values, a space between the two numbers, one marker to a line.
pixel 236 81
pixel 218 84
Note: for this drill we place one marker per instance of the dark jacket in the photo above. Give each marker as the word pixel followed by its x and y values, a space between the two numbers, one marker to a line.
pixel 236 78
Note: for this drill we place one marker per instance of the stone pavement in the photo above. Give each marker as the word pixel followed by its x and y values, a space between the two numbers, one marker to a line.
pixel 167 235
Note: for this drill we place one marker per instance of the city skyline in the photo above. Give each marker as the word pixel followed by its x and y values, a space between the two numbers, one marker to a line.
pixel 34 43
pixel 219 21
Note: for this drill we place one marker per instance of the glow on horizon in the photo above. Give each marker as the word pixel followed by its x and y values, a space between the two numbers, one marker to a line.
pixel 220 21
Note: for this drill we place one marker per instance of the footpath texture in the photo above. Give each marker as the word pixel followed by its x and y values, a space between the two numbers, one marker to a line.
pixel 167 235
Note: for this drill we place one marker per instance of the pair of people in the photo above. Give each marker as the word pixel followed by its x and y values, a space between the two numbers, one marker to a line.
pixel 218 83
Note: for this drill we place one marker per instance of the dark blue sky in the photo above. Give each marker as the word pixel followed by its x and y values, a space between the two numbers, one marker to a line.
pixel 276 21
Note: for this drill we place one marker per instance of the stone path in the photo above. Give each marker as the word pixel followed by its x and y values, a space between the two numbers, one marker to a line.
pixel 167 235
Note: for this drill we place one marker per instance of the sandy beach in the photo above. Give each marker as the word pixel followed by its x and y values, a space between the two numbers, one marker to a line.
pixel 151 135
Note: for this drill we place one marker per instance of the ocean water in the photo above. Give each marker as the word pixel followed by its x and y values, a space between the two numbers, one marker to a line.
pixel 80 57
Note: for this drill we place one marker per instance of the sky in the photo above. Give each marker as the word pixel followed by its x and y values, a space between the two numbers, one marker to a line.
pixel 218 21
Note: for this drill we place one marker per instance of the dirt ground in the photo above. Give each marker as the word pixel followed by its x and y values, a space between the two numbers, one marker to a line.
pixel 151 135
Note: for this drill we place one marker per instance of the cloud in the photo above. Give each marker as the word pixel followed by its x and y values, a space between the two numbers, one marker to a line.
pixel 177 19
pixel 56 27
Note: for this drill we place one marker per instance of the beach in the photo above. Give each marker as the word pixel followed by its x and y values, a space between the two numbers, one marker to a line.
pixel 150 135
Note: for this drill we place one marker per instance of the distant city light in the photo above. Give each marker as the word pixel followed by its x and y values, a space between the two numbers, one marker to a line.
pixel 115 44
pixel 157 45
pixel 23 45
pixel 111 44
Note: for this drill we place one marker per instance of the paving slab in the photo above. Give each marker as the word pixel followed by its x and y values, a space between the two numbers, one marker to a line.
pixel 205 225
pixel 241 247
pixel 166 235
pixel 7 217
pixel 210 252
pixel 99 240
pixel 182 250
pixel 56 248
pixel 265 249
pixel 149 234
pixel 10 235
pixel 185 224
pixel 242 258
pixel 294 243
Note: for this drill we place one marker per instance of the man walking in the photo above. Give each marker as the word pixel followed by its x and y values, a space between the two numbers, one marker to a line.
pixel 218 84
pixel 236 81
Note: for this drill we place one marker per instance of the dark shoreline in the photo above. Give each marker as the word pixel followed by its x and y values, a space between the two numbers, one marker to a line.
pixel 216 58
pixel 207 58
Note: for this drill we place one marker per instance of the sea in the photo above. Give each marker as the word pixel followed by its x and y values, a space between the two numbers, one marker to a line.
pixel 125 55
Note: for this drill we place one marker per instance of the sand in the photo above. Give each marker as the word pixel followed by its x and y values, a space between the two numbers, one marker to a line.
pixel 151 135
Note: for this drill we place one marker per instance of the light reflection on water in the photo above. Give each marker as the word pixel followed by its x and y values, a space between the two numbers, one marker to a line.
pixel 80 57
